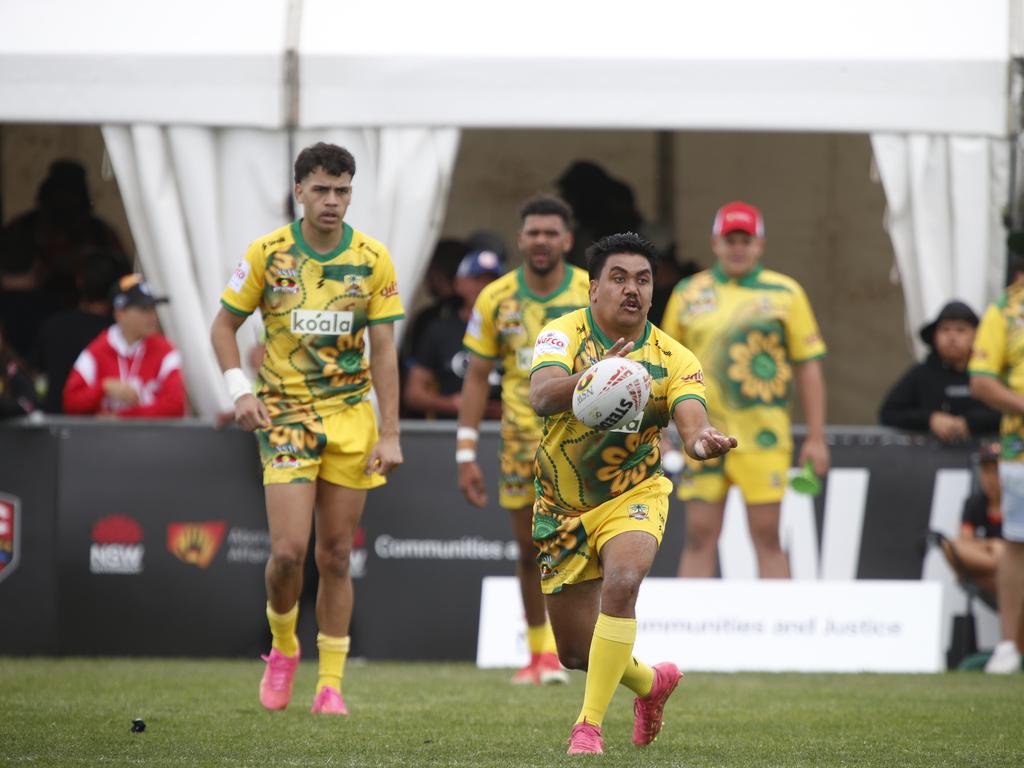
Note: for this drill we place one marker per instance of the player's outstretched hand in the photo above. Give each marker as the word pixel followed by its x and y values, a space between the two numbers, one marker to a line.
pixel 710 444
pixel 251 413
pixel 471 483
pixel 385 456
pixel 620 348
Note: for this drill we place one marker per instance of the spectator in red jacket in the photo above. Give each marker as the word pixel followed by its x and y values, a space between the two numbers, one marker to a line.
pixel 129 370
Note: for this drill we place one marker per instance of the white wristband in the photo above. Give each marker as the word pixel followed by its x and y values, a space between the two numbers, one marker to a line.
pixel 238 383
pixel 465 455
pixel 466 433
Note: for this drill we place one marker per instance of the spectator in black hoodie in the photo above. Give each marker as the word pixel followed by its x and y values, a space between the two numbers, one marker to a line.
pixel 935 396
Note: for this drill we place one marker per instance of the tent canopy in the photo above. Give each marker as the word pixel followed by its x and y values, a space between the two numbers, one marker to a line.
pixel 908 66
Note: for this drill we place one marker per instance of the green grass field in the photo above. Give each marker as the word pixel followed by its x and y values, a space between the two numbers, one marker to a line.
pixel 205 713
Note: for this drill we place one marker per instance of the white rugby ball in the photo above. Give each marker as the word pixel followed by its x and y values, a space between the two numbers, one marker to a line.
pixel 612 394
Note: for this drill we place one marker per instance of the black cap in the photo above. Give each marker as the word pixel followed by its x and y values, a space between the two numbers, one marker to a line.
pixel 133 291
pixel 954 310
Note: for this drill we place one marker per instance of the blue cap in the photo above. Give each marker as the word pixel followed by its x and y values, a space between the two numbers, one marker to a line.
pixel 479 263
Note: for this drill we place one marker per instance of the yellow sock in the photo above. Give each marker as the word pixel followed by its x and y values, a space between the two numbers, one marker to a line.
pixel 282 627
pixel 610 652
pixel 638 677
pixel 540 639
pixel 333 652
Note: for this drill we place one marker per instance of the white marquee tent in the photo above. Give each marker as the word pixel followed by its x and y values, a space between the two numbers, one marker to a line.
pixel 202 101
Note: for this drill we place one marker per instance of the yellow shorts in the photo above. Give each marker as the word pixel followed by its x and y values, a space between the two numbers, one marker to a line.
pixel 570 547
pixel 515 486
pixel 760 475
pixel 335 447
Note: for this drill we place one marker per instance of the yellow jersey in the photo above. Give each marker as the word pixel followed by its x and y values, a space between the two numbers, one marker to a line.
pixel 999 352
pixel 748 333
pixel 579 468
pixel 315 308
pixel 504 325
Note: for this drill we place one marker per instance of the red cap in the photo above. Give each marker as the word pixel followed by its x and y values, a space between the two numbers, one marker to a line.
pixel 738 216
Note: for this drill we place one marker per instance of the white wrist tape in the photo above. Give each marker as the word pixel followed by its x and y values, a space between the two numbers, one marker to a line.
pixel 466 433
pixel 465 455
pixel 238 383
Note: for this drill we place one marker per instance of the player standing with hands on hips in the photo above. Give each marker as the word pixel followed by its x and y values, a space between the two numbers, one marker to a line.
pixel 321 287
pixel 602 499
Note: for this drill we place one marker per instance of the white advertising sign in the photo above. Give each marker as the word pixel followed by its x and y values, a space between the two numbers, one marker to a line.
pixel 773 626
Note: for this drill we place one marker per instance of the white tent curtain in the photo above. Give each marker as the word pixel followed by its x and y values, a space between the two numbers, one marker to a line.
pixel 196 197
pixel 944 197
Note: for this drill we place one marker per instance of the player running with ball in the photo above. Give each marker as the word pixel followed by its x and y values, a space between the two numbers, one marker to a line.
pixel 602 499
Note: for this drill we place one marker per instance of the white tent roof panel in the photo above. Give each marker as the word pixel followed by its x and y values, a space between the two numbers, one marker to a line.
pixel 875 65
pixel 208 62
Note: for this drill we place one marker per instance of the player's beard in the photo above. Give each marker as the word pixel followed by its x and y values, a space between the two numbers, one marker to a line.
pixel 544 269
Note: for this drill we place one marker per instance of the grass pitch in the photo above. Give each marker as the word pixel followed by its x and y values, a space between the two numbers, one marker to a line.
pixel 78 712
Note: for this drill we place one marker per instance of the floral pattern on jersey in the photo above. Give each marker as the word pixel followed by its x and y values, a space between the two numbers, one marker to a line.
pixel 628 465
pixel 556 537
pixel 759 372
pixel 288 444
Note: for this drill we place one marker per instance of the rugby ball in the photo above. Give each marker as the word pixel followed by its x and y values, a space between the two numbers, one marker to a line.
pixel 612 394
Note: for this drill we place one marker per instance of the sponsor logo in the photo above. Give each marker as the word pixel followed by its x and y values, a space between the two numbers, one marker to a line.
pixel 391 289
pixel 195 543
pixel 269 243
pixel 584 382
pixel 475 325
pixel 354 286
pixel 284 460
pixel 322 323
pixel 510 320
pixel 697 376
pixel 524 359
pixel 248 546
pixel 10 532
pixel 238 276
pixel 638 511
pixel 467 548
pixel 284 284
pixel 116 545
pixel 551 343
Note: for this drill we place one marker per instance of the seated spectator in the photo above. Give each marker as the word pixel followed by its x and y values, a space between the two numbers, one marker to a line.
pixel 433 386
pixel 129 370
pixel 974 553
pixel 17 390
pixel 935 396
pixel 64 335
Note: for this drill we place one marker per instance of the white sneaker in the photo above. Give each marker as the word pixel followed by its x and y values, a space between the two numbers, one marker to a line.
pixel 1005 659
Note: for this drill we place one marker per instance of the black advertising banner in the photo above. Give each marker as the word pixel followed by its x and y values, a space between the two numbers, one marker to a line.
pixel 150 538
pixel 162 541
pixel 28 537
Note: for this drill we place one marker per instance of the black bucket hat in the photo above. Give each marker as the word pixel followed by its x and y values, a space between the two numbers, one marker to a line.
pixel 954 310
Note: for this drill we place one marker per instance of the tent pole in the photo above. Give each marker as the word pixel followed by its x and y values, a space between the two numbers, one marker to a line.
pixel 293 28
